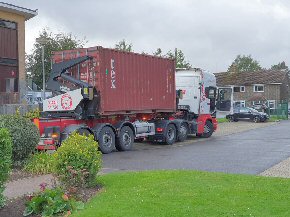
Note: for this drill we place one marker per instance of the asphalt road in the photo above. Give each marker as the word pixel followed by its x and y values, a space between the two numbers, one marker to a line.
pixel 249 152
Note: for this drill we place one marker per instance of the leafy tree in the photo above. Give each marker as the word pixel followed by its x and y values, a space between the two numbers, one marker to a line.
pixel 280 66
pixel 54 42
pixel 158 52
pixel 244 64
pixel 179 57
pixel 123 46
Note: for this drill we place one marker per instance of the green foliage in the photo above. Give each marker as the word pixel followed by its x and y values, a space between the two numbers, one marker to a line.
pixel 5 160
pixel 32 114
pixel 25 136
pixel 179 58
pixel 244 64
pixel 123 46
pixel 54 42
pixel 40 163
pixel 78 161
pixel 51 202
pixel 158 52
pixel 280 66
pixel 177 55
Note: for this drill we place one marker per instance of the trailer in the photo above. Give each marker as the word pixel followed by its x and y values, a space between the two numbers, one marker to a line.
pixel 119 97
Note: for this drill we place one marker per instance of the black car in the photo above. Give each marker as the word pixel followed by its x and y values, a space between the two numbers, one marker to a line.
pixel 247 113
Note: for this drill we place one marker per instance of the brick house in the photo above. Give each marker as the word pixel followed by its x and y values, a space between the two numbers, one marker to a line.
pixel 12 52
pixel 250 88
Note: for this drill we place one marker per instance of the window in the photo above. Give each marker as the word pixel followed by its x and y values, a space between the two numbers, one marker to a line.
pixel 271 104
pixel 7 24
pixel 240 104
pixel 239 89
pixel 10 85
pixel 259 88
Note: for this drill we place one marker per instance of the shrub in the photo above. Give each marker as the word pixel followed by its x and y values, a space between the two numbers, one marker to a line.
pixel 32 114
pixel 25 136
pixel 5 160
pixel 78 161
pixel 50 202
pixel 40 163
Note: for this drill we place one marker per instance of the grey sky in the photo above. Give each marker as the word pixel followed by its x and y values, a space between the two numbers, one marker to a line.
pixel 211 33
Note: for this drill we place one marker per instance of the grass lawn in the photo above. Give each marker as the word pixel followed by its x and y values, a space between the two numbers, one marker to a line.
pixel 189 193
pixel 222 120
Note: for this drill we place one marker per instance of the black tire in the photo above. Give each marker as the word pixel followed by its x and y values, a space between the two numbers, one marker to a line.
pixel 256 119
pixel 183 132
pixel 230 118
pixel 106 140
pixel 83 131
pixel 208 130
pixel 125 139
pixel 170 134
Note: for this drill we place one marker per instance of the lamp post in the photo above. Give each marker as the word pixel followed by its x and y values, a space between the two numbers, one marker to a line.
pixel 42 41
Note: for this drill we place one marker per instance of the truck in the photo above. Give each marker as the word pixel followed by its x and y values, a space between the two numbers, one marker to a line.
pixel 119 97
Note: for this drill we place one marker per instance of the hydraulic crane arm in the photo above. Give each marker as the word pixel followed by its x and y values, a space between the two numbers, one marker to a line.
pixel 60 69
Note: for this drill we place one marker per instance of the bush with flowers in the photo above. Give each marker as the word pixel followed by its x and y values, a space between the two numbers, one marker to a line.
pixel 49 202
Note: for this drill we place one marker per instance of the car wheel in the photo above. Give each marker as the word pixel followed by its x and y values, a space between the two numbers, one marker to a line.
pixel 256 119
pixel 125 139
pixel 231 118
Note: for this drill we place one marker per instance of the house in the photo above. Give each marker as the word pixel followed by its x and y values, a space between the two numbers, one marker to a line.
pixel 12 52
pixel 268 87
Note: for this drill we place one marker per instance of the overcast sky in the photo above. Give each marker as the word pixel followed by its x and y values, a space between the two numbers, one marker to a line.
pixel 211 33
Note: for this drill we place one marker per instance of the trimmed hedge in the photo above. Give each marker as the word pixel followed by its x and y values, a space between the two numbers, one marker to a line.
pixel 78 160
pixel 5 160
pixel 25 136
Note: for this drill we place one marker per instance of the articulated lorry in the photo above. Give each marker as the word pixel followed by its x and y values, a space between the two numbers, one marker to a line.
pixel 119 97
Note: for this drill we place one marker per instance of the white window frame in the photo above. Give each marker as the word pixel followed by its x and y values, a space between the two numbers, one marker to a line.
pixel 242 91
pixel 274 103
pixel 258 85
pixel 242 103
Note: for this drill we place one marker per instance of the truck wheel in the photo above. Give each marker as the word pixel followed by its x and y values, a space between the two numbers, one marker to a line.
pixel 106 139
pixel 83 131
pixel 183 132
pixel 170 134
pixel 208 130
pixel 125 140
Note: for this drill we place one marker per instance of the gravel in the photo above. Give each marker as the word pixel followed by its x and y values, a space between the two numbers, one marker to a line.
pixel 281 169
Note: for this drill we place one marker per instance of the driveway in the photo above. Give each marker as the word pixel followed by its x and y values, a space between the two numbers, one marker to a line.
pixel 249 152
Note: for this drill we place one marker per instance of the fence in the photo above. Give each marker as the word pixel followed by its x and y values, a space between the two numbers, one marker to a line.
pixel 275 109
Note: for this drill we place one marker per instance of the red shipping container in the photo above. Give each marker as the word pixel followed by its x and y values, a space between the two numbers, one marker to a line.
pixel 128 82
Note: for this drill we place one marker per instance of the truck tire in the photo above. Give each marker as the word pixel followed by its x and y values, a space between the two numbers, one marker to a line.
pixel 125 140
pixel 106 140
pixel 208 130
pixel 183 132
pixel 83 131
pixel 170 134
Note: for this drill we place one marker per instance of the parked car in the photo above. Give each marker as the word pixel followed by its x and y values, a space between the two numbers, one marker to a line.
pixel 247 113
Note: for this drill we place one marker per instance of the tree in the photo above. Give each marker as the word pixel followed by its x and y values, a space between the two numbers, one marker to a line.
pixel 54 42
pixel 158 52
pixel 179 57
pixel 244 64
pixel 123 46
pixel 280 66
